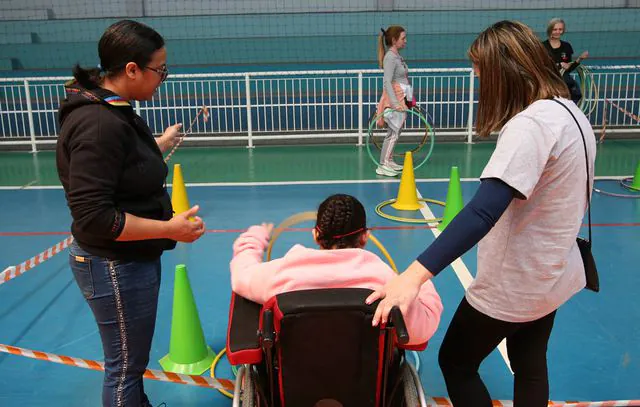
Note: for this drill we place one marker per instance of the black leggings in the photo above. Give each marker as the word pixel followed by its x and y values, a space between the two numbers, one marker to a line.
pixel 470 338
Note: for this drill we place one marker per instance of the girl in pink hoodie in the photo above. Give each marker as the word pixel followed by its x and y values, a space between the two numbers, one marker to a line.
pixel 340 262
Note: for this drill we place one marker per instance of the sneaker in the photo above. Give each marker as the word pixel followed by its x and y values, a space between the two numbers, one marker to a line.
pixel 386 171
pixel 394 166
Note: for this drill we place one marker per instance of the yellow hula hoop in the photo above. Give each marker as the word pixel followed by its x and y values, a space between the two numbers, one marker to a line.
pixel 384 251
pixel 212 371
pixel 306 216
pixel 287 223
pixel 408 220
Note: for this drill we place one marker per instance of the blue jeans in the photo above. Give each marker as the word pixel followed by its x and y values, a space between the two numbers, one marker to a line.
pixel 123 296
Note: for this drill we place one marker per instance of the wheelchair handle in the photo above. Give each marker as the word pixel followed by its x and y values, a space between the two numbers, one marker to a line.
pixel 402 335
pixel 267 329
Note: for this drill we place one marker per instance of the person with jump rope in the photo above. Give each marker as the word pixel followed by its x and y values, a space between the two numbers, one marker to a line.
pixel 397 95
pixel 114 178
pixel 561 53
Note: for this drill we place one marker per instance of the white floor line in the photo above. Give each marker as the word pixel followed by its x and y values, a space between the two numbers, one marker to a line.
pixel 319 182
pixel 465 277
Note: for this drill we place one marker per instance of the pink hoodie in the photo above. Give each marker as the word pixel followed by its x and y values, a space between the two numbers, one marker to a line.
pixel 302 269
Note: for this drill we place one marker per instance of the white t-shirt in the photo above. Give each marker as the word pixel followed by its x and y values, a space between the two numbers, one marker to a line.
pixel 529 263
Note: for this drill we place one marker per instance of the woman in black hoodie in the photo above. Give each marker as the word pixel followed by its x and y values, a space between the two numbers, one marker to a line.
pixel 113 173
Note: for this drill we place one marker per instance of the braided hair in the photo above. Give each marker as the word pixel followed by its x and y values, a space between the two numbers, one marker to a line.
pixel 340 223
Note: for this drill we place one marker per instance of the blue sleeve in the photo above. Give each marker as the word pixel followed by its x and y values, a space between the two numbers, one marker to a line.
pixel 473 222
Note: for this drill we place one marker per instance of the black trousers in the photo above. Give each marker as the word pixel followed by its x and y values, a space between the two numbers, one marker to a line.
pixel 472 336
pixel 574 88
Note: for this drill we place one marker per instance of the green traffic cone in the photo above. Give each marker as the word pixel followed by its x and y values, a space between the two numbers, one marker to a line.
pixel 454 202
pixel 636 180
pixel 188 352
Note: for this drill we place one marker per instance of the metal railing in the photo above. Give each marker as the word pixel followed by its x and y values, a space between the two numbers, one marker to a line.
pixel 295 105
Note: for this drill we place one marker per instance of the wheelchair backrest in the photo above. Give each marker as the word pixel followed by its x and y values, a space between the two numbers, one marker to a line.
pixel 327 352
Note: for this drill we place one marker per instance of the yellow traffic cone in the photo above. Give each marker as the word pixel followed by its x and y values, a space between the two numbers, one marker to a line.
pixel 407 195
pixel 179 199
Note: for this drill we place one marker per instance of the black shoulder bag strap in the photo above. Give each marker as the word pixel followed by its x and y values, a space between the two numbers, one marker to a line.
pixel 591 272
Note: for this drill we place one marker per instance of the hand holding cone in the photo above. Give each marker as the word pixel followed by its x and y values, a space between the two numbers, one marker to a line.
pixel 180 229
pixel 179 199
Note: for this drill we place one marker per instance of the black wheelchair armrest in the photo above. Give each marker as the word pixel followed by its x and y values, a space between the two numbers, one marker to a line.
pixel 402 335
pixel 243 339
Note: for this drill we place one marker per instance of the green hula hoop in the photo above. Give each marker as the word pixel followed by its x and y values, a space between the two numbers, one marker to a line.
pixel 422 142
pixel 413 112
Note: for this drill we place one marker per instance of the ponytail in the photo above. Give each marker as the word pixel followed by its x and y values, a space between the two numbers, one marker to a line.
pixel 387 37
pixel 87 78
pixel 122 42
pixel 381 50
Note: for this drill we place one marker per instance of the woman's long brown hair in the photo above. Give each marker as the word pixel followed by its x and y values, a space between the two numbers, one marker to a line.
pixel 515 70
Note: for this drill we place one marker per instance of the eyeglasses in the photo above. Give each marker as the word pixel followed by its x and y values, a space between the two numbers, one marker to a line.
pixel 163 71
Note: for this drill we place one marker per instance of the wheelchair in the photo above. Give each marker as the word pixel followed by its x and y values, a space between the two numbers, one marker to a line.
pixel 317 348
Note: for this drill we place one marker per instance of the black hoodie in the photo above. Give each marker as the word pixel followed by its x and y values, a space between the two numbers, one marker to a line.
pixel 109 163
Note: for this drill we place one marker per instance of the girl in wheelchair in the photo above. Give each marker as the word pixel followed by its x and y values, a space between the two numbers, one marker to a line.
pixel 340 261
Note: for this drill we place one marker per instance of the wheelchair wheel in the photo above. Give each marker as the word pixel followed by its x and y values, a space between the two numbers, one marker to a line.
pixel 248 393
pixel 411 398
pixel 244 394
pixel 413 386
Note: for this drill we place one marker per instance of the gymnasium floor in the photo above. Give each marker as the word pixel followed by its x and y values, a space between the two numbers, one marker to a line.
pixel 594 352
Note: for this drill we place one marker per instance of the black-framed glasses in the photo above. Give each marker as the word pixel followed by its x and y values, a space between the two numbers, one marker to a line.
pixel 163 71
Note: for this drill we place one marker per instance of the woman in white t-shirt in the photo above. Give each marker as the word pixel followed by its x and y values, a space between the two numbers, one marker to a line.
pixel 525 216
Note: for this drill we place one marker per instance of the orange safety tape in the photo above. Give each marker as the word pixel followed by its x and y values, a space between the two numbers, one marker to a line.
pixel 12 272
pixel 227 384
pixel 629 114
pixel 152 374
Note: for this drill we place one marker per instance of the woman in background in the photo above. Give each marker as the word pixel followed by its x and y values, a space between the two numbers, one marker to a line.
pixel 397 94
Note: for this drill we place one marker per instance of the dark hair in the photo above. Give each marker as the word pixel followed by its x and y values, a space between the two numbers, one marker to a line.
pixel 123 42
pixel 340 223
